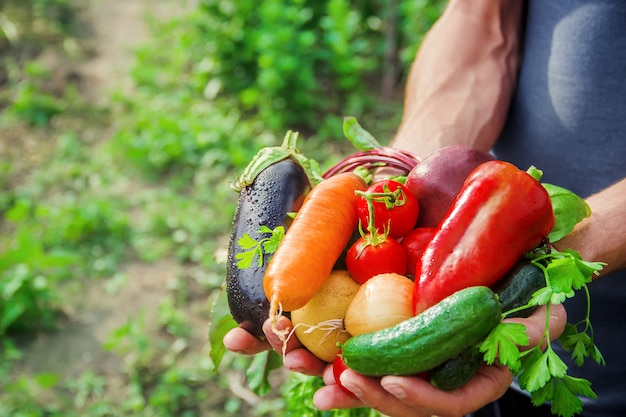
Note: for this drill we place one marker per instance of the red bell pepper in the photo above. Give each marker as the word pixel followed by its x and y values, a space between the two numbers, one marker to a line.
pixel 500 213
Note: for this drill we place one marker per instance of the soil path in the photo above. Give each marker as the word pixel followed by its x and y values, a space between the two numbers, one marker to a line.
pixel 116 27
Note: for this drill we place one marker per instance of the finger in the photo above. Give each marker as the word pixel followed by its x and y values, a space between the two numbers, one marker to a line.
pixel 280 345
pixel 296 357
pixel 332 397
pixel 303 361
pixel 241 341
pixel 329 377
pixel 558 321
pixel 536 324
pixel 489 384
pixel 371 394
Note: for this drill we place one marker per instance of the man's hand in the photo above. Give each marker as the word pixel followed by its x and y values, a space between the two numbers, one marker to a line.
pixel 296 357
pixel 396 396
pixel 401 396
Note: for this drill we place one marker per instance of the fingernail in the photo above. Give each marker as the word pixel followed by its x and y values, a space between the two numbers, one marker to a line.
pixel 395 390
pixel 349 384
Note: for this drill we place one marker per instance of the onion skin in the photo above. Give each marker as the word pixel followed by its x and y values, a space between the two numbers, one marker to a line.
pixel 383 301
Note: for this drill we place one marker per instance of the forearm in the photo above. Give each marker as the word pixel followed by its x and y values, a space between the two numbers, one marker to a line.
pixel 602 236
pixel 460 84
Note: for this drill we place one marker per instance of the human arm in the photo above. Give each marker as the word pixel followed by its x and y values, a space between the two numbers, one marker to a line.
pixel 602 236
pixel 460 84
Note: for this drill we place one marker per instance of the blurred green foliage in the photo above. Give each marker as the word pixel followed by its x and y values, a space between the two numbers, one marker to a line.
pixel 148 178
pixel 240 73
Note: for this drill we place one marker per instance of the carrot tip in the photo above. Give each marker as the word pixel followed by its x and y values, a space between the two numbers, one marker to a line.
pixel 276 309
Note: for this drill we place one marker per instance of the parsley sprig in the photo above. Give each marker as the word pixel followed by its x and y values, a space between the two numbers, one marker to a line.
pixel 253 248
pixel 541 372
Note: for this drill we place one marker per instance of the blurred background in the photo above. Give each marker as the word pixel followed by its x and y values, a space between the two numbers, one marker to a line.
pixel 123 124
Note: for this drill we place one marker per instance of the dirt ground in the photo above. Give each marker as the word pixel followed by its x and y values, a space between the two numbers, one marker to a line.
pixel 116 28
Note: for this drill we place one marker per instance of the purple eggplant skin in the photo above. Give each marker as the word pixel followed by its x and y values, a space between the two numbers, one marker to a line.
pixel 277 190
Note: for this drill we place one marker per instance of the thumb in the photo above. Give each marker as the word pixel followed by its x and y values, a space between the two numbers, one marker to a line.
pixel 536 324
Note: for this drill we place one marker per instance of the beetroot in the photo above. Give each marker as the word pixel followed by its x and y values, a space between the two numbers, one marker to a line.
pixel 437 179
pixel 371 158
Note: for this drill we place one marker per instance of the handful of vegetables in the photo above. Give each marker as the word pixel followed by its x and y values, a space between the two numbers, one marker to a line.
pixel 360 272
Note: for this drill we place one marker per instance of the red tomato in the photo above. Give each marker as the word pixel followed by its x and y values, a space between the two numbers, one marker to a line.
pixel 372 256
pixel 395 207
pixel 414 244
pixel 338 367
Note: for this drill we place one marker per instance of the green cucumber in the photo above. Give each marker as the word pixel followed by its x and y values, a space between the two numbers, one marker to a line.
pixel 422 342
pixel 514 290
pixel 455 372
pixel 518 286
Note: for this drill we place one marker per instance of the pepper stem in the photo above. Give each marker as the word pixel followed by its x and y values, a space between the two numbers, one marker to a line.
pixel 535 172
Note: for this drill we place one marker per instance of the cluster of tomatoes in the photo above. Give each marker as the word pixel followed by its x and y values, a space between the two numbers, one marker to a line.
pixel 389 240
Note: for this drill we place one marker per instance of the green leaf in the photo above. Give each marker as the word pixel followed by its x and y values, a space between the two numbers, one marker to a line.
pixel 564 275
pixel 542 395
pixel 271 244
pixel 10 314
pixel 298 394
pixel 563 394
pixel 535 373
pixel 597 356
pixel 221 323
pixel 247 242
pixel 264 229
pixel 544 376
pixel 245 258
pixel 541 296
pixel 360 138
pixel 47 380
pixel 587 268
pixel 57 258
pixel 565 403
pixel 581 345
pixel 579 386
pixel 260 248
pixel 569 337
pixel 259 370
pixel 502 343
pixel 569 210
pixel 556 366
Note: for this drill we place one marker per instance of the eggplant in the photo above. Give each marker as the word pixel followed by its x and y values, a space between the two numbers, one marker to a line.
pixel 278 188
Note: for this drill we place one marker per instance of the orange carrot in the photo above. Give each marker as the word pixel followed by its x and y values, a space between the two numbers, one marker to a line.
pixel 313 243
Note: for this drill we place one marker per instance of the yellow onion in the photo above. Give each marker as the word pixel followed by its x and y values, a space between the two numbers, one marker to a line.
pixel 382 301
